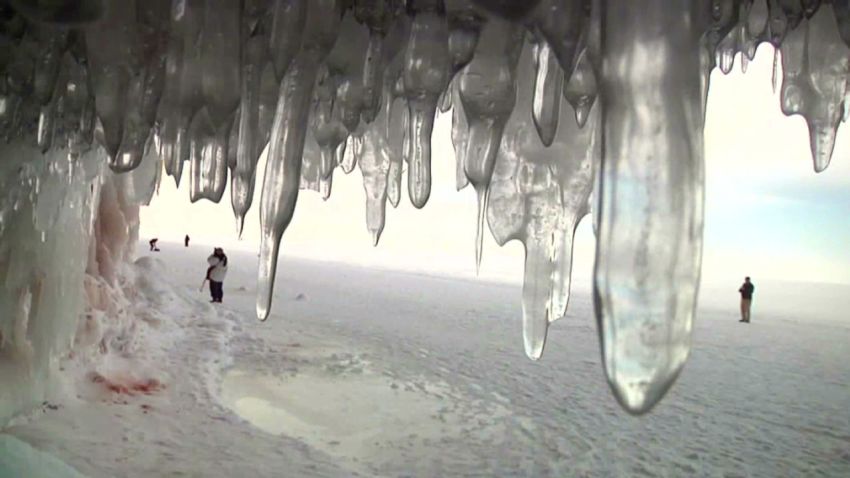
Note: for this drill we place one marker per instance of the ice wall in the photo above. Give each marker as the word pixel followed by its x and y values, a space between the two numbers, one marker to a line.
pixel 560 108
pixel 63 219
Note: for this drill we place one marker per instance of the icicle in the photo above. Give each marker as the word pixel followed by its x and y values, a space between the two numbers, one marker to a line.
pixel 726 52
pixel 283 169
pixel 250 138
pixel 815 65
pixel 487 90
pixel 52 43
pixel 143 179
pixel 326 128
pixel 349 159
pixel 46 127
pixel 650 222
pixel 395 105
pixel 560 23
pixel 777 23
pixel 220 67
pixel 581 90
pixel 311 176
pixel 579 148
pixel 426 65
pixel 135 130
pixel 181 96
pixel 776 72
pixel 845 105
pixel 76 98
pixel 346 62
pixel 233 140
pixel 828 58
pixel 460 132
pixel 397 118
pixel 537 196
pixel 112 51
pixel 325 187
pixel 374 160
pixel 757 19
pixel 141 101
pixel 287 27
pixel 378 16
pixel 145 88
pixel 548 83
pixel 208 165
pixel 464 23
pixel 444 104
pixel 842 16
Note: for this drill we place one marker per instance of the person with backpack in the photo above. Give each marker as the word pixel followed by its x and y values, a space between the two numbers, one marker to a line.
pixel 216 273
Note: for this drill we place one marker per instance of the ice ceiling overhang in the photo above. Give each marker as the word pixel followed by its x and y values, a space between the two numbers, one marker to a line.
pixel 554 102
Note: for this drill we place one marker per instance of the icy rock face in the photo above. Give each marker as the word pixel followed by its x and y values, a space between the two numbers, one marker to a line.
pixel 54 206
pixel 554 102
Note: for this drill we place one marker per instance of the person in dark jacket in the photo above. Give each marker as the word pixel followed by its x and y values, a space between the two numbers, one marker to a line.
pixel 186 241
pixel 746 290
pixel 216 273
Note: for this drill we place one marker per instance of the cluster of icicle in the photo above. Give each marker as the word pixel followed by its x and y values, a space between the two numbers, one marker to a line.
pixel 553 102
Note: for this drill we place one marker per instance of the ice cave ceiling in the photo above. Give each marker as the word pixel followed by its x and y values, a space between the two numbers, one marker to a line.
pixel 559 108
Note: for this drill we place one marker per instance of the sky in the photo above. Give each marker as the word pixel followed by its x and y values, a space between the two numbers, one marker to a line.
pixel 768 215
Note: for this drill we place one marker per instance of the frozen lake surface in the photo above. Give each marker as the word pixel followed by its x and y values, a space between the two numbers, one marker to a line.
pixel 380 373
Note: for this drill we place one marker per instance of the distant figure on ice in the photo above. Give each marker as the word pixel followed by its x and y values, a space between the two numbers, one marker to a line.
pixel 216 273
pixel 746 290
pixel 186 241
pixel 152 243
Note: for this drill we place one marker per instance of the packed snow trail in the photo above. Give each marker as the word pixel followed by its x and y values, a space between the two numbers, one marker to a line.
pixel 432 384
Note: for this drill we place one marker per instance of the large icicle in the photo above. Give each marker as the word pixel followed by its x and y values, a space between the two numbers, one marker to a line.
pixel 283 169
pixel 460 131
pixel 815 64
pixel 548 83
pixel 286 35
pixel 538 195
pixel 487 90
pixel 328 131
pixel 650 224
pixel 259 94
pixel 208 159
pixel 182 93
pixel 113 53
pixel 378 15
pixel 220 60
pixel 374 161
pixel 426 67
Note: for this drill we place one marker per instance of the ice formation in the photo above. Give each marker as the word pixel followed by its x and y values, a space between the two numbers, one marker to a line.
pixel 558 107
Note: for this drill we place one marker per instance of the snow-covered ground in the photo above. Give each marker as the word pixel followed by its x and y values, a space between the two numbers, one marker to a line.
pixel 364 372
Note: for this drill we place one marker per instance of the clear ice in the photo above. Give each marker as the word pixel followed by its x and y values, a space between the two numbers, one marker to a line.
pixel 558 107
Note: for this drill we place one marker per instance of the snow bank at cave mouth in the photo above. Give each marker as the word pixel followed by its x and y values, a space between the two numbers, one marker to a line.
pixel 343 404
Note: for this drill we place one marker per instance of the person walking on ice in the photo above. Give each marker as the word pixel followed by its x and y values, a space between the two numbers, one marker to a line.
pixel 746 290
pixel 216 273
